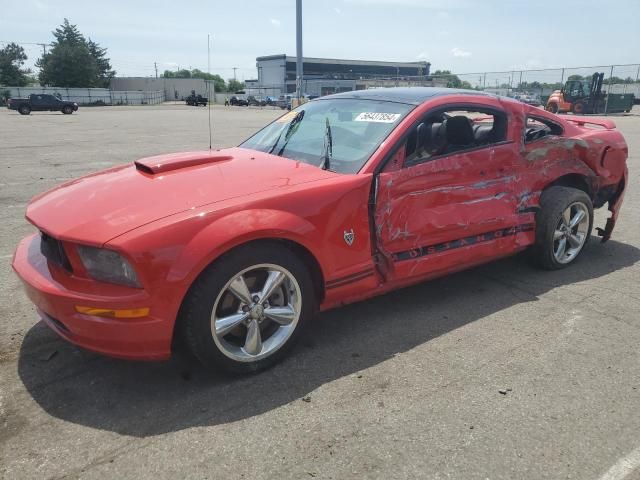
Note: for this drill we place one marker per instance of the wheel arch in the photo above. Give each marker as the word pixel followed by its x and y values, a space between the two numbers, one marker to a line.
pixel 302 252
pixel 239 230
pixel 574 180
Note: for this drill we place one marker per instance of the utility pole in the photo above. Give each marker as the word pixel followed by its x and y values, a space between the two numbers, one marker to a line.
pixel 155 65
pixel 609 88
pixel 234 74
pixel 520 83
pixel 299 72
pixel 44 48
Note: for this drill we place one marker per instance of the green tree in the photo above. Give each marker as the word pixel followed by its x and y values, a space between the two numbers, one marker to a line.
pixel 614 80
pixel 12 58
pixel 234 85
pixel 218 81
pixel 453 81
pixel 73 61
pixel 184 73
pixel 103 64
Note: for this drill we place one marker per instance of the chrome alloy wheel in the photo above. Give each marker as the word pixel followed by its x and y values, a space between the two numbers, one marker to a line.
pixel 256 312
pixel 571 233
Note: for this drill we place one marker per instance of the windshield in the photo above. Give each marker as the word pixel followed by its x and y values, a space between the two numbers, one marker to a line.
pixel 355 129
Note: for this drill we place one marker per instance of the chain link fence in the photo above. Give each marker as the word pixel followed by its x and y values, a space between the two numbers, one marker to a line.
pixel 620 87
pixel 618 91
pixel 89 96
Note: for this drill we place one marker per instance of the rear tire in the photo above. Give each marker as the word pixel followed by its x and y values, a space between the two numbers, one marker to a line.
pixel 232 335
pixel 24 109
pixel 552 107
pixel 563 227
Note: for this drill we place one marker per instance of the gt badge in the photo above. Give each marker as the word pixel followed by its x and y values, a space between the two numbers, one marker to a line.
pixel 349 237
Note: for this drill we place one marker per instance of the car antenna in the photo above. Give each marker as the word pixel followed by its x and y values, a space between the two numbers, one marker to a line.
pixel 209 83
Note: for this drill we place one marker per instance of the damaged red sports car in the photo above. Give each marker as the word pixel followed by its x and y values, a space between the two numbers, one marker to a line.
pixel 349 196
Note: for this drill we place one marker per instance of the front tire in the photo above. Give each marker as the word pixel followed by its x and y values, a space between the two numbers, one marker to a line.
pixel 563 227
pixel 552 107
pixel 67 110
pixel 579 108
pixel 248 308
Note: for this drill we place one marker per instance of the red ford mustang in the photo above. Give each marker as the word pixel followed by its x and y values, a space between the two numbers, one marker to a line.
pixel 341 199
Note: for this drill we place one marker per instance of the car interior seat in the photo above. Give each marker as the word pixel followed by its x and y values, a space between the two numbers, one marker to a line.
pixel 482 133
pixel 459 131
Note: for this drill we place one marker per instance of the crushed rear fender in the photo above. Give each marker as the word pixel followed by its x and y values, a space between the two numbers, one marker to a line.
pixel 615 202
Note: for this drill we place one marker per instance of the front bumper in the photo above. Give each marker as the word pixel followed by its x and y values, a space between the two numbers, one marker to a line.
pixel 56 294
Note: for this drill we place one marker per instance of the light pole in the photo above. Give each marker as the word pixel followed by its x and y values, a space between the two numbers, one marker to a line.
pixel 299 72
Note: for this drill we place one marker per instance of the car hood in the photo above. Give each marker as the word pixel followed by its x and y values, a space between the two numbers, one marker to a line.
pixel 101 206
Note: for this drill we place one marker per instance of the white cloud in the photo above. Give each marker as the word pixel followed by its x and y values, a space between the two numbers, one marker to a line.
pixel 458 52
pixel 337 10
pixel 275 22
pixel 422 56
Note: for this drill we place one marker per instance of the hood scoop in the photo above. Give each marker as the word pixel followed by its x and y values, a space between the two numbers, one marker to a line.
pixel 177 161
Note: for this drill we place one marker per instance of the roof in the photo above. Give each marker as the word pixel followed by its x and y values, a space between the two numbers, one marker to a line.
pixel 409 95
pixel 338 61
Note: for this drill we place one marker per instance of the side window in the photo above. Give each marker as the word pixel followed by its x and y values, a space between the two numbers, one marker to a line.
pixel 450 131
pixel 538 127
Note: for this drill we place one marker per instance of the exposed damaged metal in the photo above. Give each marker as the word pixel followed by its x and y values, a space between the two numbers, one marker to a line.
pixel 449 196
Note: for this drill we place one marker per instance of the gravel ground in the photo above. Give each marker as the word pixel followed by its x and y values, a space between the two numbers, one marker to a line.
pixel 407 385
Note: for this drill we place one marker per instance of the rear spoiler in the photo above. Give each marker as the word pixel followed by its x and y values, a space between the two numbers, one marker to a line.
pixel 608 124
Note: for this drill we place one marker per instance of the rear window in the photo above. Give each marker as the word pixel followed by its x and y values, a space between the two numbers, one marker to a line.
pixel 538 127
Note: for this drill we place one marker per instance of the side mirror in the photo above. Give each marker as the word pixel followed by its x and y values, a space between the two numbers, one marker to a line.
pixel 420 134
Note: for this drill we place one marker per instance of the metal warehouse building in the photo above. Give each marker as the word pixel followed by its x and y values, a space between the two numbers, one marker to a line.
pixel 323 76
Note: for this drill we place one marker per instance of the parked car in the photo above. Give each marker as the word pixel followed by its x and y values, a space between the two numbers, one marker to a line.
pixel 344 198
pixel 256 101
pixel 239 101
pixel 271 100
pixel 284 102
pixel 41 102
pixel 196 100
pixel 239 98
pixel 529 98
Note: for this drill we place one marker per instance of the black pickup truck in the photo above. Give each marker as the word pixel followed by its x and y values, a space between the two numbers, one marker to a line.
pixel 40 102
pixel 195 100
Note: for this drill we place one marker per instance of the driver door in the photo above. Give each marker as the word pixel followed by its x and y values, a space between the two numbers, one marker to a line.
pixel 452 208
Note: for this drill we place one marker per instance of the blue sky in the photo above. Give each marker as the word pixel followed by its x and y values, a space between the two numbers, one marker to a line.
pixel 459 35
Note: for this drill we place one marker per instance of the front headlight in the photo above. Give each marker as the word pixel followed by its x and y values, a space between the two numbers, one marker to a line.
pixel 108 266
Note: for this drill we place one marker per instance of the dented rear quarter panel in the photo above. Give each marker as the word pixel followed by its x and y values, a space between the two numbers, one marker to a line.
pixel 453 198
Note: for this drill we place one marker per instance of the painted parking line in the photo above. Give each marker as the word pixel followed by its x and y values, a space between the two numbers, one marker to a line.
pixel 623 467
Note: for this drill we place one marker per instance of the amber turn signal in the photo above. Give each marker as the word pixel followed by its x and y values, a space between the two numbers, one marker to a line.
pixel 111 313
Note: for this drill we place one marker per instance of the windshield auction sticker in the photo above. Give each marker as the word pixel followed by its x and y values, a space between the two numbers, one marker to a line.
pixel 378 117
